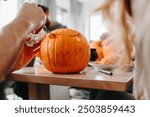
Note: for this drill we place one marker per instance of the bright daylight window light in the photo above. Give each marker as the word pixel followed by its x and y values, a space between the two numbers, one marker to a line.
pixel 59 18
pixel 8 10
pixel 96 27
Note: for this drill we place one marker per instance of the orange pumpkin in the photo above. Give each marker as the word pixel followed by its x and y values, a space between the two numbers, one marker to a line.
pixel 65 51
pixel 111 58
pixel 97 46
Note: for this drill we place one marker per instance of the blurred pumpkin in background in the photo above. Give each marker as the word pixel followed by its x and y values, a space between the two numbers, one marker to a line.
pixel 98 47
pixel 111 59
pixel 110 52
pixel 108 46
pixel 65 51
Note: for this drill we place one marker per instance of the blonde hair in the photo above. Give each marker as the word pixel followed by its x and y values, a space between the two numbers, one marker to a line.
pixel 120 15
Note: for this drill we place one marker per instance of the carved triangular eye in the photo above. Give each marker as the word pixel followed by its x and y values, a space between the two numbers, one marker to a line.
pixel 52 36
pixel 69 32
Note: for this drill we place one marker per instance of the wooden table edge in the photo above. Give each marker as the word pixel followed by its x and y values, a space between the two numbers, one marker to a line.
pixel 94 84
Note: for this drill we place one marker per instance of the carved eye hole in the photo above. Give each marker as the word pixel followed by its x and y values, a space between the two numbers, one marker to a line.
pixel 52 36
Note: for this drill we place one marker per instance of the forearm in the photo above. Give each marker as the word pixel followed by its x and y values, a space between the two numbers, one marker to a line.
pixel 12 37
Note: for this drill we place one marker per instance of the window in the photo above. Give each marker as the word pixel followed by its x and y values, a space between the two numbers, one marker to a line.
pixel 61 15
pixel 8 10
pixel 96 27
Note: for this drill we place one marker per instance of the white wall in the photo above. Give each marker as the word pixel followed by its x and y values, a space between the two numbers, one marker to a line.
pixel 63 4
pixel 8 11
pixel 88 10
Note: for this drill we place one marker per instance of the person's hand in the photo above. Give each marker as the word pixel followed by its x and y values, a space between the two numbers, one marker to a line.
pixel 33 15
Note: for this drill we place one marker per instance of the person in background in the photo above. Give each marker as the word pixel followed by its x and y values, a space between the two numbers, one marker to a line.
pixel 20 88
pixel 13 36
pixel 138 12
pixel 135 40
pixel 51 25
pixel 122 35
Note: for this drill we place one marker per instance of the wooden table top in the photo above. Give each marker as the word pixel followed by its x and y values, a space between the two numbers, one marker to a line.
pixel 88 78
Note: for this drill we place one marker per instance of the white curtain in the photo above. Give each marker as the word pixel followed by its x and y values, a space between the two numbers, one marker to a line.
pixel 52 9
pixel 76 15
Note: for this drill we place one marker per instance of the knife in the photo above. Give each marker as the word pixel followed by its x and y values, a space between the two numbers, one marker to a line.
pixel 106 72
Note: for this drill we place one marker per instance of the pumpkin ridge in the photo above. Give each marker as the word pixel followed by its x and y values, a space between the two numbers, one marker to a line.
pixel 49 65
pixel 83 49
pixel 48 55
pixel 55 51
